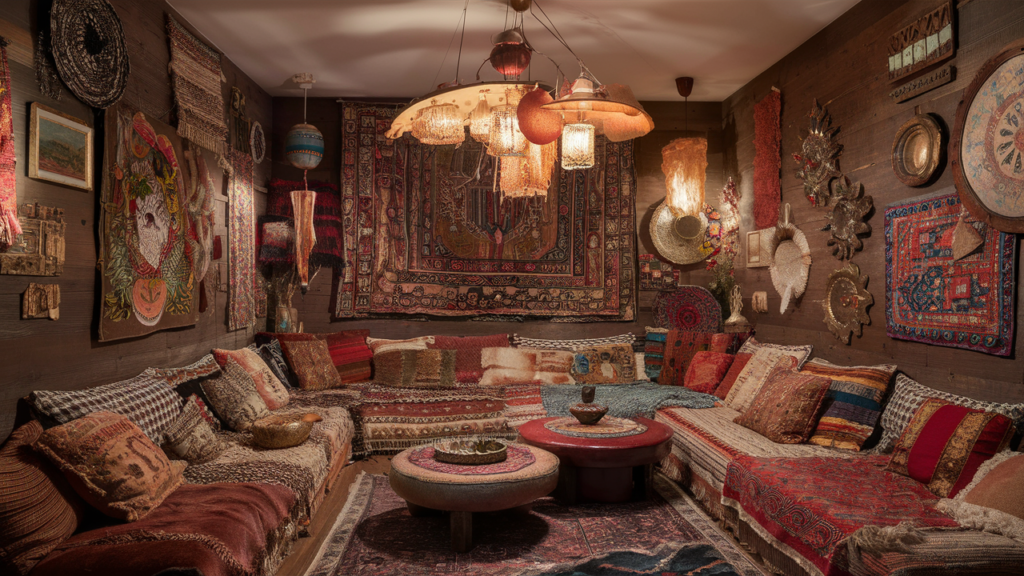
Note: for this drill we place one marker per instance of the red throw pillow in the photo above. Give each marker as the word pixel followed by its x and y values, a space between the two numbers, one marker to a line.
pixel 724 343
pixel 468 367
pixel 349 354
pixel 945 444
pixel 739 362
pixel 680 346
pixel 706 371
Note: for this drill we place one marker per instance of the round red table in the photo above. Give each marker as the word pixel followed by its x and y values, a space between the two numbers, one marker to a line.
pixel 602 469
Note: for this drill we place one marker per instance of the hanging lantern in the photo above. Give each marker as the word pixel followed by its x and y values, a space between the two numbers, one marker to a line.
pixel 506 139
pixel 304 146
pixel 577 146
pixel 538 125
pixel 540 162
pixel 439 124
pixel 480 120
pixel 510 55
pixel 684 162
pixel 512 178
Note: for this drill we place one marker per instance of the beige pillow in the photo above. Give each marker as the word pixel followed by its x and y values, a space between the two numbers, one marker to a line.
pixel 381 345
pixel 234 397
pixel 752 377
pixel 998 484
pixel 525 366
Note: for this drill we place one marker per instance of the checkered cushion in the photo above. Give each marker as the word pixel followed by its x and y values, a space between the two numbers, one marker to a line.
pixel 570 345
pixel 145 400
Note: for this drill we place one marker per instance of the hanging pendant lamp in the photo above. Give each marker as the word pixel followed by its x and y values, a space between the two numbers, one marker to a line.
pixel 506 139
pixel 578 146
pixel 439 124
pixel 304 144
pixel 480 121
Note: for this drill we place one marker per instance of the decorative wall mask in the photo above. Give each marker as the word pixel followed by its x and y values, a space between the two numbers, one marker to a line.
pixel 917 150
pixel 846 302
pixel 987 143
pixel 846 218
pixel 41 301
pixel 926 41
pixel 819 156
pixel 790 259
pixel 89 50
pixel 39 250
pixel 60 148
pixel 759 302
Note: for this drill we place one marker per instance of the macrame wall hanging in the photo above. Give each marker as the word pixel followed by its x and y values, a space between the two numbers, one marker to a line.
pixel 767 159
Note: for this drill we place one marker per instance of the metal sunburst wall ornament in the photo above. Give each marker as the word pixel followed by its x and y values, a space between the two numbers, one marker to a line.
pixel 819 156
pixel 846 302
pixel 846 218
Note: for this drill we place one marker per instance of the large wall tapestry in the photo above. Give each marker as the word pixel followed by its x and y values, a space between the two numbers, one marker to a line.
pixel 241 244
pixel 424 235
pixel 929 296
pixel 146 238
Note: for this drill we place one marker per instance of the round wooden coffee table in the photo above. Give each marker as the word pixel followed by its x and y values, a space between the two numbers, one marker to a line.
pixel 602 469
pixel 462 494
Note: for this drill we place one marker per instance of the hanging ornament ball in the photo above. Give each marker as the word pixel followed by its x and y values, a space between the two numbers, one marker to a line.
pixel 304 146
pixel 510 58
pixel 519 5
pixel 538 125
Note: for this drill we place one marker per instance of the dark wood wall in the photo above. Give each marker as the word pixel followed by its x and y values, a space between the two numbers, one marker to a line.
pixel 845 68
pixel 64 354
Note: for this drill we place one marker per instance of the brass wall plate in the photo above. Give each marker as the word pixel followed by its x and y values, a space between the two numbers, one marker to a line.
pixel 846 302
pixel 917 151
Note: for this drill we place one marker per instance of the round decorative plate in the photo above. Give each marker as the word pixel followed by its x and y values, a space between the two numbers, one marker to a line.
pixel 846 302
pixel 917 150
pixel 257 143
pixel 987 143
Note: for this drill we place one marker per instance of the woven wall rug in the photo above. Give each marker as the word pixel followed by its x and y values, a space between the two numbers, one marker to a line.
pixel 424 235
pixel 10 227
pixel 89 50
pixel 691 308
pixel 375 534
pixel 767 159
pixel 196 73
pixel 241 244
pixel 929 296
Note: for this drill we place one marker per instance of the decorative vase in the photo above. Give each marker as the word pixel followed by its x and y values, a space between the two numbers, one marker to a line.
pixel 304 146
pixel 586 411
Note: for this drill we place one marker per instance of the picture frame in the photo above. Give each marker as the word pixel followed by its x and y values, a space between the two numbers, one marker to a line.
pixel 60 148
pixel 756 255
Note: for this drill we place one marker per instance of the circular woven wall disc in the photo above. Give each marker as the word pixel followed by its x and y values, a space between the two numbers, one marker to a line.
pixel 679 240
pixel 89 50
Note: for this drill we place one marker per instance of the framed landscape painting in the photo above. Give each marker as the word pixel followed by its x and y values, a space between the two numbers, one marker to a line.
pixel 60 148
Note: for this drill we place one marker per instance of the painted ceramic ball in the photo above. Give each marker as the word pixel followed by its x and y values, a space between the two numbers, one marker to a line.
pixel 540 126
pixel 304 146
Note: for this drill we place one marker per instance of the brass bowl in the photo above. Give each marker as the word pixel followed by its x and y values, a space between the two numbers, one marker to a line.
pixel 588 414
pixel 276 431
pixel 472 452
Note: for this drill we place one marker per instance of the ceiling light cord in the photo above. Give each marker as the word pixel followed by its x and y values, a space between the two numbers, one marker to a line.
pixel 553 30
pixel 458 64
pixel 433 83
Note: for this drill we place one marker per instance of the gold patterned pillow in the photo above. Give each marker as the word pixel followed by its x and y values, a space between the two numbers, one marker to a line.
pixel 190 437
pixel 312 364
pixel 234 397
pixel 786 408
pixel 415 368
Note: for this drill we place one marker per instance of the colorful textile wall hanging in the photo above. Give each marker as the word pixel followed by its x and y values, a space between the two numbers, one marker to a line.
pixel 195 72
pixel 929 296
pixel 201 191
pixel 690 308
pixel 278 230
pixel 657 275
pixel 9 226
pixel 424 236
pixel 241 244
pixel 767 159
pixel 148 268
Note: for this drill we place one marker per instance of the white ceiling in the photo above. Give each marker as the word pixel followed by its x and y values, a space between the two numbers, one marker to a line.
pixel 394 48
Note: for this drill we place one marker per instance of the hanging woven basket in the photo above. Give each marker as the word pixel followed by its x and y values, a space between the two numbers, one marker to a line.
pixel 89 50
pixel 790 259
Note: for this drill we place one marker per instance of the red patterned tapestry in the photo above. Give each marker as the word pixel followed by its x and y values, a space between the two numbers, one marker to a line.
pixel 241 244
pixel 9 225
pixel 767 160
pixel 425 235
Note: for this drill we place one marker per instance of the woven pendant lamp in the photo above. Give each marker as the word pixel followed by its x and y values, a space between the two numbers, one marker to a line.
pixel 506 139
pixel 480 121
pixel 512 180
pixel 578 146
pixel 439 124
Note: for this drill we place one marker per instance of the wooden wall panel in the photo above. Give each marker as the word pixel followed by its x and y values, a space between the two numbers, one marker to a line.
pixel 844 67
pixel 42 354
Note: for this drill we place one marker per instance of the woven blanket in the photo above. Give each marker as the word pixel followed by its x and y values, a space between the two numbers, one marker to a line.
pixel 426 236
pixel 929 296
pixel 328 250
pixel 242 245
pixel 9 225
pixel 625 401
pixel 195 75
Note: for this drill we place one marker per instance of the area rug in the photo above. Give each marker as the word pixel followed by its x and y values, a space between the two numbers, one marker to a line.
pixel 933 298
pixel 426 233
pixel 242 244
pixel 375 535
pixel 626 400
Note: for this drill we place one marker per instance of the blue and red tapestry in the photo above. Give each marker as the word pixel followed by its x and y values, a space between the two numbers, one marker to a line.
pixel 929 296
pixel 425 232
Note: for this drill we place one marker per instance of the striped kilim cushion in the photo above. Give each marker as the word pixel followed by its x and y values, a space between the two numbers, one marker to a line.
pixel 570 345
pixel 853 404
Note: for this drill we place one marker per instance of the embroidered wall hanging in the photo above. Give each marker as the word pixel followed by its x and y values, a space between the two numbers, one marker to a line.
pixel 39 249
pixel 929 296
pixel 689 308
pixel 148 269
pixel 9 225
pixel 818 157
pixel 201 190
pixel 424 235
pixel 241 244
pixel 767 159
pixel 195 75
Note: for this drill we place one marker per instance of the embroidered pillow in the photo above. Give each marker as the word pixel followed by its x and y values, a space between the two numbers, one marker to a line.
pixel 739 362
pixel 801 353
pixel 654 351
pixel 311 362
pixel 998 484
pixel 380 345
pixel 786 408
pixel 273 356
pixel 38 509
pixel 908 395
pixel 570 345
pixel 468 364
pixel 680 347
pixel 612 364
pixel 349 354
pixel 190 437
pixel 945 444
pixel 432 369
pixel 234 397
pixel 706 371
pixel 274 394
pixel 112 465
pixel 752 377
pixel 853 404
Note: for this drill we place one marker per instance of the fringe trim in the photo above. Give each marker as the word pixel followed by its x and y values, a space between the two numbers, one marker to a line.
pixel 877 540
pixel 771 544
pixel 360 495
pixel 983 471
pixel 976 517
pixel 10 228
pixel 202 138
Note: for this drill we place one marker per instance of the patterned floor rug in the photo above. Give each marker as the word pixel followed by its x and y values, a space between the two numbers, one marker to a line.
pixel 665 535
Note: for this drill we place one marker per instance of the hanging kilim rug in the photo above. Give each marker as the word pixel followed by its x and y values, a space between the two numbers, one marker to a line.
pixel 241 245
pixel 767 162
pixel 425 233
pixel 665 534
pixel 690 308
pixel 146 235
pixel 195 71
pixel 9 225
pixel 929 296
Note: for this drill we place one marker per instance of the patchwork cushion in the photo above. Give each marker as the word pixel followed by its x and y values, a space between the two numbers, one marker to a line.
pixel 273 355
pixel 654 351
pixel 570 345
pixel 853 404
pixel 504 366
pixel 801 353
pixel 908 395
pixel 706 371
pixel 416 368
pixel 311 362
pixel 38 509
pixel 380 345
pixel 786 408
pixel 190 437
pixel 274 394
pixel 738 364
pixel 234 397
pixel 612 364
pixel 146 400
pixel 349 354
pixel 751 378
pixel 1000 485
pixel 468 365
pixel 945 444
pixel 111 464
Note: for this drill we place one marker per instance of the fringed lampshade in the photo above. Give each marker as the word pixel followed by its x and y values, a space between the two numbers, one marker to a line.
pixel 513 176
pixel 684 162
pixel 539 163
pixel 439 124
pixel 577 146
pixel 506 138
pixel 480 120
